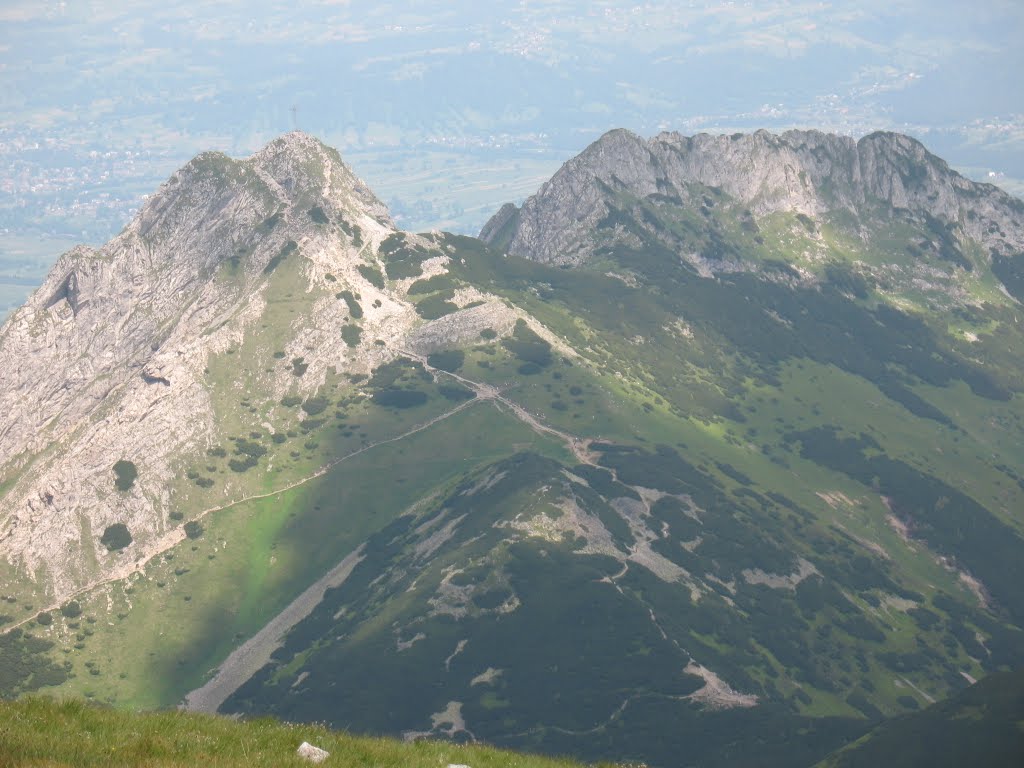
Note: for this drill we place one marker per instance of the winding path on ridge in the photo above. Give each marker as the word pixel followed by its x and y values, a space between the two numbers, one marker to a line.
pixel 578 447
pixel 173 537
pixel 176 535
pixel 251 656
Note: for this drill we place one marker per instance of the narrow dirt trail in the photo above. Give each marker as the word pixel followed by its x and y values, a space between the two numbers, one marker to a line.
pixel 255 653
pixel 578 447
pixel 176 535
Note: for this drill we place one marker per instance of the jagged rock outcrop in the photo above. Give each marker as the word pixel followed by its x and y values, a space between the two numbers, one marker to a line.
pixel 108 360
pixel 807 172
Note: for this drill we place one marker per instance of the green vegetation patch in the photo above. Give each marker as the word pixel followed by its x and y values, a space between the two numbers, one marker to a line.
pixel 125 473
pixel 432 284
pixel 25 665
pixel 951 522
pixel 91 736
pixel 527 346
pixel 449 360
pixel 351 335
pixel 116 536
pixel 286 250
pixel 1010 271
pixel 314 405
pixel 372 275
pixel 351 299
pixel 980 726
pixel 456 392
pixel 436 306
pixel 399 398
pixel 401 258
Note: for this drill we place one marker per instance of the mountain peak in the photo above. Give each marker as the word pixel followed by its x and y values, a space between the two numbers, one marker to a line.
pixel 806 172
pixel 140 319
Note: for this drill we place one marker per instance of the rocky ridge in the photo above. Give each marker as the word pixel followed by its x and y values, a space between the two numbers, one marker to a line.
pixel 806 172
pixel 108 360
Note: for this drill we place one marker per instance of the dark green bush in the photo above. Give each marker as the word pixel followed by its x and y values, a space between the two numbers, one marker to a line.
pixel 456 393
pixel 399 398
pixel 115 537
pixel 447 360
pixel 249 448
pixel 243 465
pixel 315 405
pixel 434 307
pixel 193 529
pixel 372 275
pixel 125 473
pixel 351 334
pixel 399 270
pixel 431 284
pixel 528 346
pixel 354 307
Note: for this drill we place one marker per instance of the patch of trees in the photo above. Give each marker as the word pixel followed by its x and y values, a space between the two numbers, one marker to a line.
pixel 125 473
pixel 952 523
pixel 449 360
pixel 25 664
pixel 402 260
pixel 1010 271
pixel 455 392
pixel 437 305
pixel 527 346
pixel 314 405
pixel 372 275
pixel 352 301
pixel 399 398
pixel 116 537
pixel 432 284
pixel 351 335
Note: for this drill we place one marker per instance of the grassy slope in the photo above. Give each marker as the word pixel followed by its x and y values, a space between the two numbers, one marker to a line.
pixel 189 609
pixel 983 725
pixel 46 732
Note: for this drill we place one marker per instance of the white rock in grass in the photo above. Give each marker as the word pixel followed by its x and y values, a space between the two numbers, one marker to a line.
pixel 457 765
pixel 314 754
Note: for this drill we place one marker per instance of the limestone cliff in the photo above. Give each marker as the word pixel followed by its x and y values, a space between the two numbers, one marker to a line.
pixel 108 360
pixel 807 172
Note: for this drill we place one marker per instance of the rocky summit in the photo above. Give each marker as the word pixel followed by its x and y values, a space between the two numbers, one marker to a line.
pixel 806 172
pixel 709 453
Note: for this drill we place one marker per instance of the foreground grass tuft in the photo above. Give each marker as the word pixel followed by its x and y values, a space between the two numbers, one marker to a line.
pixel 38 731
